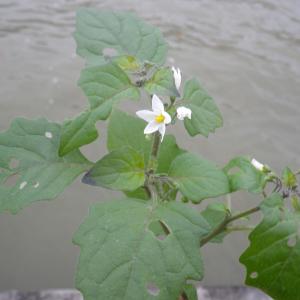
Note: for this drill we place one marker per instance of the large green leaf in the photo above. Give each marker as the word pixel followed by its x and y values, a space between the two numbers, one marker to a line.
pixel 29 153
pixel 122 258
pixel 206 116
pixel 123 32
pixel 126 130
pixel 273 257
pixel 197 178
pixel 244 176
pixel 121 169
pixel 162 83
pixel 104 86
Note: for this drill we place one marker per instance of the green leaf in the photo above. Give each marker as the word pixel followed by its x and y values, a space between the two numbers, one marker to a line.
pixel 123 258
pixel 289 179
pixel 273 257
pixel 215 214
pixel 139 193
pixel 190 292
pixel 77 132
pixel 121 169
pixel 197 178
pixel 244 176
pixel 29 153
pixel 123 32
pixel 162 83
pixel 104 86
pixel 126 130
pixel 206 116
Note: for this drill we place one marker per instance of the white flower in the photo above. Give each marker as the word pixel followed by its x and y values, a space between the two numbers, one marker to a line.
pixel 157 118
pixel 259 166
pixel 183 112
pixel 177 77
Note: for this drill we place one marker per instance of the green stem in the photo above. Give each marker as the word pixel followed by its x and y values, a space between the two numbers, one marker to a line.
pixel 150 181
pixel 238 228
pixel 224 224
pixel 154 153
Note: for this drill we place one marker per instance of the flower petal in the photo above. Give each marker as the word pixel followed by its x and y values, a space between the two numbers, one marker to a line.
pixel 146 115
pixel 168 118
pixel 151 127
pixel 162 130
pixel 177 77
pixel 157 105
pixel 259 166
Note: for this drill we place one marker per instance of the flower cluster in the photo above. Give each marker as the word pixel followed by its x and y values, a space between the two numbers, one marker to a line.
pixel 158 118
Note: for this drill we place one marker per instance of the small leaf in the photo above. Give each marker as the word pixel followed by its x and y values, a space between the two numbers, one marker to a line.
pixel 41 173
pixel 206 116
pixel 273 257
pixel 190 292
pixel 197 178
pixel 244 176
pixel 128 63
pixel 289 179
pixel 123 32
pixel 123 258
pixel 121 169
pixel 104 86
pixel 162 83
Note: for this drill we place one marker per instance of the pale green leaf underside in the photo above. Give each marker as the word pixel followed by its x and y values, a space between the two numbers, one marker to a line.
pixel 42 174
pixel 273 257
pixel 206 117
pixel 104 86
pixel 127 130
pixel 162 83
pixel 197 178
pixel 244 176
pixel 120 256
pixel 123 32
pixel 121 169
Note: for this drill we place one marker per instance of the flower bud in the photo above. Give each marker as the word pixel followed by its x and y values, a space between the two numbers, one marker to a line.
pixel 183 112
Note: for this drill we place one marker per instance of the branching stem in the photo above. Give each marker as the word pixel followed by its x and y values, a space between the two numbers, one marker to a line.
pixel 224 224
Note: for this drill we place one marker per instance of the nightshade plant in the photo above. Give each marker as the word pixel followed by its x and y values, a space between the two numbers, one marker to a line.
pixel 146 245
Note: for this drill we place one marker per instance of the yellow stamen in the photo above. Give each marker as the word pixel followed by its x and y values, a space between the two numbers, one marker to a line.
pixel 160 118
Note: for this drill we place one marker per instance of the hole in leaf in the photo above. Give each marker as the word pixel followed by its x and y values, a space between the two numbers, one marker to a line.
pixel 48 135
pixel 14 163
pixel 22 185
pixel 159 229
pixel 254 275
pixel 110 52
pixel 152 289
pixel 292 241
pixel 11 180
pixel 233 170
pixel 36 184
